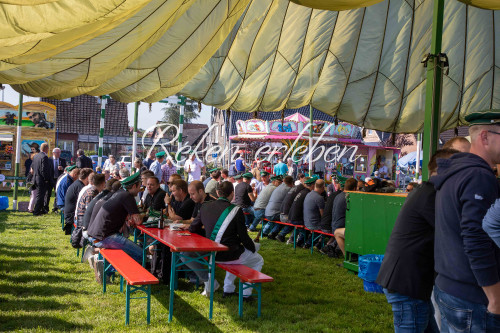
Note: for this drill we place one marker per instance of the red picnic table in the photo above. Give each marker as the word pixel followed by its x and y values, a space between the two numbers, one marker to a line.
pixel 183 241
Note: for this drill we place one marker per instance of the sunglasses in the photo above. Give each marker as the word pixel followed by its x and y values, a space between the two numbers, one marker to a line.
pixel 493 132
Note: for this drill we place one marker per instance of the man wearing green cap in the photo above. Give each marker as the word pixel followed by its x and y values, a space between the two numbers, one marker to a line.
pixel 72 173
pixel 259 208
pixel 244 197
pixel 156 165
pixel 264 181
pixel 115 214
pixel 467 260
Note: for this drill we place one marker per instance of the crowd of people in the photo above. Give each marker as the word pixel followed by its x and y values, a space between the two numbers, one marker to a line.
pixel 445 240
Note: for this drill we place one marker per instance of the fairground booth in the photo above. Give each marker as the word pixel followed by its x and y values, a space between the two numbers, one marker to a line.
pixel 344 153
pixel 38 125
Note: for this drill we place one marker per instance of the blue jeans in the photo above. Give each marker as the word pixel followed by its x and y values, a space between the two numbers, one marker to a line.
pixel 248 217
pixel 117 241
pixel 258 215
pixel 459 315
pixel 411 315
pixel 270 225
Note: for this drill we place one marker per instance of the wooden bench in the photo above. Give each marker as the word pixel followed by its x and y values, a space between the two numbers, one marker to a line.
pixel 137 277
pixel 248 278
pixel 295 227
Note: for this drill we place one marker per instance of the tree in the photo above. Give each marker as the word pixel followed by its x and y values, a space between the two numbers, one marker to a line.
pixel 171 112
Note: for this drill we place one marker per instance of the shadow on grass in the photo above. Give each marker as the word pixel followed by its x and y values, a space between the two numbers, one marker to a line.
pixel 44 290
pixel 3 223
pixel 195 321
pixel 23 252
pixel 34 305
pixel 25 322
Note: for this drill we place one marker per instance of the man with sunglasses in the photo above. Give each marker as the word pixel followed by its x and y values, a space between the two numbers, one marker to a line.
pixel 467 261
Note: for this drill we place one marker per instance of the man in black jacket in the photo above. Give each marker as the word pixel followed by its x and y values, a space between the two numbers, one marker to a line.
pixel 41 178
pixel 224 223
pixel 83 161
pixel 58 165
pixel 467 261
pixel 407 272
pixel 71 198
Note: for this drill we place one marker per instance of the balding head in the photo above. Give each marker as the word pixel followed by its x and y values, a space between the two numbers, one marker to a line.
pixel 319 186
pixel 485 142
pixel 458 143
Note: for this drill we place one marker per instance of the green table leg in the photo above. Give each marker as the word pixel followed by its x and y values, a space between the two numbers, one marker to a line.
pixel 172 286
pixel 211 273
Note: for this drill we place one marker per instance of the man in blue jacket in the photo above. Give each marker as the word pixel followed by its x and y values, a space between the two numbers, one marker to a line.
pixel 467 261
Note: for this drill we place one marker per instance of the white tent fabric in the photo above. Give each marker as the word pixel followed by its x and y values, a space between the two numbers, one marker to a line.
pixel 409 159
pixel 362 65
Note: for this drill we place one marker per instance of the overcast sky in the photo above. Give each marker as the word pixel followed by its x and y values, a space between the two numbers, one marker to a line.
pixel 146 119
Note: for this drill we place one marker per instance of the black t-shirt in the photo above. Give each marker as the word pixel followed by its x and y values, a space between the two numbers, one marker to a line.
pixel 90 208
pixel 241 197
pixel 197 205
pixel 185 208
pixel 112 215
pixel 156 201
pixel 70 200
pixel 288 201
pixel 296 214
pixel 326 219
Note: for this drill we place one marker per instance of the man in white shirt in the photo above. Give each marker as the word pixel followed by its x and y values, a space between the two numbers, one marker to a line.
pixel 194 168
pixel 384 171
pixel 111 165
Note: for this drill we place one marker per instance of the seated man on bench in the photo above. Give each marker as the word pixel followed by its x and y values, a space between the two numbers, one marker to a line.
pixel 105 231
pixel 224 223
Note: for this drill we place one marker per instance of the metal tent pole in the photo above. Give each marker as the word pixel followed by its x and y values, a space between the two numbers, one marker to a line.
pixel 104 100
pixel 228 139
pixel 310 138
pixel 134 137
pixel 433 89
pixel 18 150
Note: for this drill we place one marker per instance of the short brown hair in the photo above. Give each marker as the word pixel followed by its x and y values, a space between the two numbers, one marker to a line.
pixel 441 153
pixel 225 189
pixel 85 173
pixel 225 172
pixel 147 173
pixel 350 184
pixel 181 185
pixel 288 180
pixel 109 183
pixel 198 185
pixel 99 179
pixel 155 179
pixel 176 176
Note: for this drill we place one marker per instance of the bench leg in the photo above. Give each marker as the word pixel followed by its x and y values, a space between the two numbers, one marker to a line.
pixel 149 304
pixel 294 238
pixel 78 252
pixel 103 275
pixel 259 297
pixel 127 304
pixel 312 241
pixel 240 298
pixel 121 283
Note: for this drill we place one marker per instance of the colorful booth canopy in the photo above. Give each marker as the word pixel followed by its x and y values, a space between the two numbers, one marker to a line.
pixel 361 64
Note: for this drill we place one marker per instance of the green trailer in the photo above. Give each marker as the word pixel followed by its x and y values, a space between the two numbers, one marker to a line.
pixel 370 218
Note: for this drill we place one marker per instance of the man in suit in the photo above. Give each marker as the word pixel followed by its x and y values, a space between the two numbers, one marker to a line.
pixel 83 161
pixel 58 165
pixel 41 178
pixel 407 271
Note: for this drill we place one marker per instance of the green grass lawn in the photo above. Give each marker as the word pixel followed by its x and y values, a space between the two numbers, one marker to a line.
pixel 44 287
